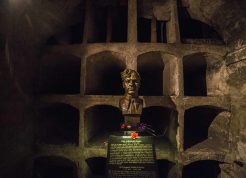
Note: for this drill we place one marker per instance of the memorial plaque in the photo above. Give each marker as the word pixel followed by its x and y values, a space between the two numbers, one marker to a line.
pixel 131 158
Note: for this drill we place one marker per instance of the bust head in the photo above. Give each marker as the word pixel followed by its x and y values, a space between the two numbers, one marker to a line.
pixel 131 82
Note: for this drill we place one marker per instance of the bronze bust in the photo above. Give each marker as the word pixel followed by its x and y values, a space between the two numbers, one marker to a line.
pixel 131 105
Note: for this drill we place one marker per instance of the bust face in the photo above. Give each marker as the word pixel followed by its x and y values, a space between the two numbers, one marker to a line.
pixel 131 84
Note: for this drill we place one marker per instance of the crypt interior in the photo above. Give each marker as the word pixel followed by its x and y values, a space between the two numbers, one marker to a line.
pixel 60 65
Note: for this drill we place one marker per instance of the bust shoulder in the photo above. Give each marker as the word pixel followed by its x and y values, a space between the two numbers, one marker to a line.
pixel 123 104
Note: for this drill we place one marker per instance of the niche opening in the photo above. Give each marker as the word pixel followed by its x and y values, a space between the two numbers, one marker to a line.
pixel 152 18
pixel 97 166
pixel 162 120
pixel 59 74
pixel 144 29
pixel 202 169
pixel 150 67
pixel 194 31
pixel 197 124
pixel 100 121
pixel 164 166
pixel 103 74
pixel 58 124
pixel 54 167
pixel 119 23
pixel 194 69
pixel 161 31
pixel 104 18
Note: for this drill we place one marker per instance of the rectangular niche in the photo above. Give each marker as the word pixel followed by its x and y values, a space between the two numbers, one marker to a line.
pixel 205 126
pixel 144 29
pixel 58 124
pixel 106 21
pixel 161 31
pixel 165 168
pixel 54 167
pixel 150 66
pixel 119 14
pixel 151 30
pixel 194 72
pixel 159 74
pixel 197 31
pixel 151 24
pixel 164 123
pixel 97 166
pixel 103 73
pixel 202 169
pixel 100 122
pixel 204 75
pixel 58 74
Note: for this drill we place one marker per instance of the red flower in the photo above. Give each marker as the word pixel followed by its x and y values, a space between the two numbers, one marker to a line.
pixel 134 135
pixel 122 126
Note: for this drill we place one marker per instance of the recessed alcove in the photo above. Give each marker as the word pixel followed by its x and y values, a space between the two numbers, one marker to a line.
pixel 144 29
pixel 164 166
pixel 58 74
pixel 152 17
pixel 150 66
pixel 100 121
pixel 54 167
pixel 97 28
pixel 119 22
pixel 97 166
pixel 58 124
pixel 202 169
pixel 103 74
pixel 194 70
pixel 163 121
pixel 104 21
pixel 197 29
pixel 161 31
pixel 198 122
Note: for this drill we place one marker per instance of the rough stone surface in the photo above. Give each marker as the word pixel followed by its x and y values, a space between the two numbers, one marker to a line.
pixel 227 17
pixel 28 24
pixel 237 82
